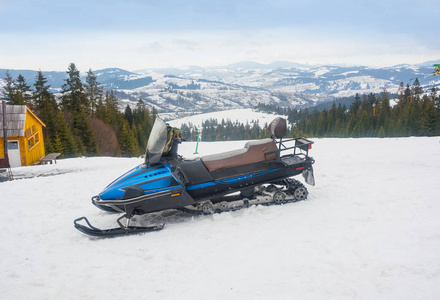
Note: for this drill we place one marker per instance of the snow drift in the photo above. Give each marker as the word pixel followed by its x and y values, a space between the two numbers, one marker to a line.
pixel 370 229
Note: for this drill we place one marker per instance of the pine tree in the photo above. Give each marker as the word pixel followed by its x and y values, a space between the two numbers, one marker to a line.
pixel 93 91
pixel 407 94
pixel 100 112
pixel 23 91
pixel 64 135
pixel 129 115
pixel 82 128
pixel 45 105
pixel 9 90
pixel 356 104
pixel 155 114
pixel 57 145
pixel 128 142
pixel 75 101
pixel 41 92
pixel 73 97
pixel 111 108
pixel 401 91
pixel 417 89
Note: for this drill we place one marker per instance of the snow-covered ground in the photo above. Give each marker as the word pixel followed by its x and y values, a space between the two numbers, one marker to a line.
pixel 245 115
pixel 369 230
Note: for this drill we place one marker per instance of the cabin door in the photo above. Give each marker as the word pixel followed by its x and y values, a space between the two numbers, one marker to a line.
pixel 14 154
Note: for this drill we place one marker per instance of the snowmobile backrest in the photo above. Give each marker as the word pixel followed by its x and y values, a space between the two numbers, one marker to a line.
pixel 278 128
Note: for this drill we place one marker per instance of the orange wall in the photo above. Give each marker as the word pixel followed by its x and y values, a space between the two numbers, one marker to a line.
pixel 32 146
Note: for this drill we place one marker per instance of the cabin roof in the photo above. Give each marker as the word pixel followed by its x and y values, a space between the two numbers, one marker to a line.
pixel 15 119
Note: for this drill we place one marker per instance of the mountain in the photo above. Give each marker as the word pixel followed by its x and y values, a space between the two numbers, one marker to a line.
pixel 192 89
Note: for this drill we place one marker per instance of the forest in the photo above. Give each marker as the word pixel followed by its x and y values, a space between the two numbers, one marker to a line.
pixel 85 121
pixel 412 113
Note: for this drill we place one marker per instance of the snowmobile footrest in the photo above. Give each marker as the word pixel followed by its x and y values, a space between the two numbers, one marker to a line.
pixel 94 231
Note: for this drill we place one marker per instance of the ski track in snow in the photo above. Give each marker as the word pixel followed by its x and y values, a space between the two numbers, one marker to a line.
pixel 370 229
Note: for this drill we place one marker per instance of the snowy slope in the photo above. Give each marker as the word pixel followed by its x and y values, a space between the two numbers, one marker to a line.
pixel 244 116
pixel 369 230
pixel 194 89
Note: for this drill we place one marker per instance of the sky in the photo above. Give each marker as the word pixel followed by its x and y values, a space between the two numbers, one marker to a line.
pixel 135 34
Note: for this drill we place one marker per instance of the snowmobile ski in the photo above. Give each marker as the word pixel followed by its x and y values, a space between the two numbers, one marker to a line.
pixel 121 230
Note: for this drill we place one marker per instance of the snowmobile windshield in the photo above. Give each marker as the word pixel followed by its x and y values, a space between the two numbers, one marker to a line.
pixel 156 142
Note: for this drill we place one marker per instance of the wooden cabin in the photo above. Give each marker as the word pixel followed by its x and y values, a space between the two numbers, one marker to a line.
pixel 25 136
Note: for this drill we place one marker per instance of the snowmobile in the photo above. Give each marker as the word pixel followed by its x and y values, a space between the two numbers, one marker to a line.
pixel 259 173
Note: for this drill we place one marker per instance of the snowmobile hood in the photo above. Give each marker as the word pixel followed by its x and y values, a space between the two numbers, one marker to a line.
pixel 146 180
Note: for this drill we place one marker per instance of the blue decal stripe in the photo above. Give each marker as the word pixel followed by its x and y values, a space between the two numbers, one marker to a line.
pixel 199 186
pixel 244 177
pixel 229 180
pixel 160 190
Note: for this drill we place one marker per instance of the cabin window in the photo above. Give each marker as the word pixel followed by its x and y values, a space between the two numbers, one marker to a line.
pixel 33 140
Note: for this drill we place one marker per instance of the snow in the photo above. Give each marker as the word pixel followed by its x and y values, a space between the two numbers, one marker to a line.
pixel 321 71
pixel 245 115
pixel 370 229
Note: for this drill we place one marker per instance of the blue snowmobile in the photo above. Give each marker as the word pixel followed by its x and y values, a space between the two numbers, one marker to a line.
pixel 259 173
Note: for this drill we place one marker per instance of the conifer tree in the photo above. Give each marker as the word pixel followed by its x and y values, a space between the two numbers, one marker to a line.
pixel 9 90
pixel 100 112
pixel 93 91
pixel 155 114
pixel 57 145
pixel 128 142
pixel 129 115
pixel 23 91
pixel 65 137
pixel 401 91
pixel 417 89
pixel 73 97
pixel 407 94
pixel 40 96
pixel 81 127
pixel 111 108
pixel 45 105
pixel 356 104
pixel 75 101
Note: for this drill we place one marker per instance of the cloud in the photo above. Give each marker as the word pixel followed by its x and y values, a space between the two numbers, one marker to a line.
pixel 148 49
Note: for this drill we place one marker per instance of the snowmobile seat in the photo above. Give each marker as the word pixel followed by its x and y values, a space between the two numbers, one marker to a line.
pixel 253 152
pixel 194 172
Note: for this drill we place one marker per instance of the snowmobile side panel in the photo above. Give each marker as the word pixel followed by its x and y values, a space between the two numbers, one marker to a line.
pixel 147 178
pixel 177 198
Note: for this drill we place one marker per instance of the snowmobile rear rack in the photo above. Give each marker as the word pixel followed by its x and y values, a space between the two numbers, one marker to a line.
pixel 301 144
pixel 121 230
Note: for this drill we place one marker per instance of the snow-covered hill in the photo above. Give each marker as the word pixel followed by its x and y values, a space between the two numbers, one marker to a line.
pixel 242 85
pixel 369 230
pixel 244 116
